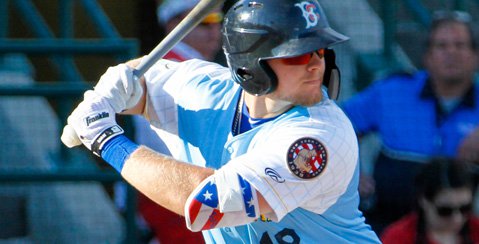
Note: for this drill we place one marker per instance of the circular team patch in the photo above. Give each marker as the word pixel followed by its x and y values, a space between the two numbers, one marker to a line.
pixel 307 158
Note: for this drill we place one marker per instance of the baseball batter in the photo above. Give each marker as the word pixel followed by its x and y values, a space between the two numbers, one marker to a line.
pixel 261 152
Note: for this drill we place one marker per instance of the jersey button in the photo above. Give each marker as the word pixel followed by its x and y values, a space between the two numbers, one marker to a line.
pixel 230 150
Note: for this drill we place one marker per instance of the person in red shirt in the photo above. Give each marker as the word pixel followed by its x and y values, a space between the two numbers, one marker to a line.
pixel 444 208
pixel 203 42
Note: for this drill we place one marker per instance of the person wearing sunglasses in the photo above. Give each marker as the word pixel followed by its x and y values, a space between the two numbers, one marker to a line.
pixel 429 113
pixel 444 201
pixel 261 153
pixel 166 225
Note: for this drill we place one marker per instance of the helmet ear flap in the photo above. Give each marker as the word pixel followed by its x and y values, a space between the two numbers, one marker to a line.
pixel 244 73
pixel 259 80
pixel 332 76
pixel 272 78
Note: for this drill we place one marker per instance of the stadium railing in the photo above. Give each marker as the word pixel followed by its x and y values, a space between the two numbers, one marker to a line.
pixel 61 50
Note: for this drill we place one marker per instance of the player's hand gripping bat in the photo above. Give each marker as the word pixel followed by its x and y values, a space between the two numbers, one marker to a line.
pixel 197 14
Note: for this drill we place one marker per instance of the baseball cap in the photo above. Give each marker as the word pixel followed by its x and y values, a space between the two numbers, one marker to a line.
pixel 168 9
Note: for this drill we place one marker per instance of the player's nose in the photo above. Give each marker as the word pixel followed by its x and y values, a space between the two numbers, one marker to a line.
pixel 316 62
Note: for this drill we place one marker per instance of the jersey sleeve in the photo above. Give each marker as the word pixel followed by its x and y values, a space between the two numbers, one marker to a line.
pixel 160 109
pixel 308 166
pixel 165 83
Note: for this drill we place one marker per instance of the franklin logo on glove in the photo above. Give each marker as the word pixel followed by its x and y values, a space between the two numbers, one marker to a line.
pixel 99 116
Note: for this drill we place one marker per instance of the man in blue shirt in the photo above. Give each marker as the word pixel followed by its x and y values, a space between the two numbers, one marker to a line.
pixel 433 112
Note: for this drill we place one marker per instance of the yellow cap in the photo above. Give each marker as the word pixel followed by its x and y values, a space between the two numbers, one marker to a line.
pixel 213 18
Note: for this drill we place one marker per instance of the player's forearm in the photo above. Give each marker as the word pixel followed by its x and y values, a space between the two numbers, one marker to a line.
pixel 165 180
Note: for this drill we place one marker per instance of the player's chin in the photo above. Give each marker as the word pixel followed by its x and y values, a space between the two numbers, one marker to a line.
pixel 309 99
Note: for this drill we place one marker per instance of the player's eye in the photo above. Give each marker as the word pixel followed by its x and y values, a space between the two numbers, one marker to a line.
pixel 302 59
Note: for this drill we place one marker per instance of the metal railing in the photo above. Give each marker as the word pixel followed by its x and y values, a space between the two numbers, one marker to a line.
pixel 61 50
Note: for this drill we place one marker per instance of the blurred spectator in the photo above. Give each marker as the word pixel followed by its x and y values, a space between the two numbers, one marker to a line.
pixel 433 112
pixel 203 42
pixel 444 202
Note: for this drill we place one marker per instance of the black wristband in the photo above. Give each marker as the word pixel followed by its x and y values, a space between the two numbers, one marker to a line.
pixel 104 136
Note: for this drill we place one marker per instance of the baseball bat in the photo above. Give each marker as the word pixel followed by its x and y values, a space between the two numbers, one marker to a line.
pixel 194 17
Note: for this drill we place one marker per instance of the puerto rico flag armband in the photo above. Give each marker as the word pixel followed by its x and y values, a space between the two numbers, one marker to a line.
pixel 202 209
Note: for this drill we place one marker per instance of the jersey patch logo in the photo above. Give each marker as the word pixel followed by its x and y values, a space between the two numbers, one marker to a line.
pixel 310 13
pixel 307 158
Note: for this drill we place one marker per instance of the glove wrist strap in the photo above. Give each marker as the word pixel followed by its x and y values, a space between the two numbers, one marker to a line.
pixel 103 137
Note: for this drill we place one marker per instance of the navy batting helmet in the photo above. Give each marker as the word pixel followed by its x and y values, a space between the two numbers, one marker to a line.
pixel 255 31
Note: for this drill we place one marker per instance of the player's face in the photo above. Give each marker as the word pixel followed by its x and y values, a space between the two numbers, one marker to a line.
pixel 299 78
pixel 450 57
pixel 449 210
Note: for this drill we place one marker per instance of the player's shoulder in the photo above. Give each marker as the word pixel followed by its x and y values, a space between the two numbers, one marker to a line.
pixel 180 78
pixel 307 134
pixel 201 66
pixel 327 111
pixel 324 119
pixel 193 70
pixel 188 67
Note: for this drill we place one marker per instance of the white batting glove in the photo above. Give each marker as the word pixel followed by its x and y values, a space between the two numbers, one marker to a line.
pixel 119 87
pixel 93 120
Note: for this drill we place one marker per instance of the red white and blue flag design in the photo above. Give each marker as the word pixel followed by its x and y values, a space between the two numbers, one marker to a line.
pixel 203 212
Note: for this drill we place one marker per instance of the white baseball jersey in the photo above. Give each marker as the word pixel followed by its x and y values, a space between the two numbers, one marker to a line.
pixel 304 162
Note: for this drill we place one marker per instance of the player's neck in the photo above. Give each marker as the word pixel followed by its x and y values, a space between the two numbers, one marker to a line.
pixel 265 107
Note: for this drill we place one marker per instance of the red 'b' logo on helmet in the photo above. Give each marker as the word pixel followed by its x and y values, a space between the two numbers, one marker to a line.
pixel 310 13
